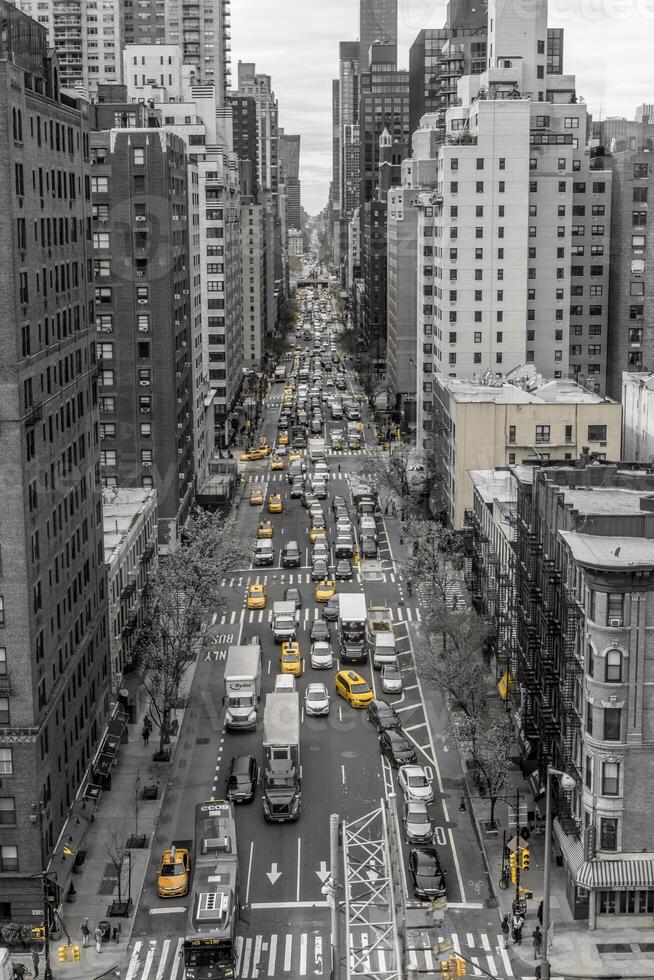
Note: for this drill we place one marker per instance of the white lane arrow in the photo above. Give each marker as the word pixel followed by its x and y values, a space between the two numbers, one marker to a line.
pixel 323 874
pixel 273 875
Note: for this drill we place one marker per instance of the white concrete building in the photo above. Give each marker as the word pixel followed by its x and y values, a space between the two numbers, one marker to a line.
pixel 638 417
pixel 295 243
pixel 88 37
pixel 496 237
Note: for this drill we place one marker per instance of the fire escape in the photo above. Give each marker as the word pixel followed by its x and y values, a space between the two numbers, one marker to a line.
pixel 529 550
pixel 571 671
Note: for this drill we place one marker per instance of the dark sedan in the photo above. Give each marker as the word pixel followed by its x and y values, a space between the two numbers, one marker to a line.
pixel 331 609
pixel 319 631
pixel 319 570
pixel 293 595
pixel 343 570
pixel 242 779
pixel 383 716
pixel 427 876
pixel 397 748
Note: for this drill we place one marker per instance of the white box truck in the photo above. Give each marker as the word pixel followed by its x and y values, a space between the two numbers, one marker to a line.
pixel 316 450
pixel 284 621
pixel 242 687
pixel 282 793
pixel 352 626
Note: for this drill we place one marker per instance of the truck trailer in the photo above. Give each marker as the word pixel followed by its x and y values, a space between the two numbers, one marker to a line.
pixel 282 793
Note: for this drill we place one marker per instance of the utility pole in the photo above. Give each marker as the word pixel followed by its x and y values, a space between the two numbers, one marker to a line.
pixel 517 831
pixel 333 899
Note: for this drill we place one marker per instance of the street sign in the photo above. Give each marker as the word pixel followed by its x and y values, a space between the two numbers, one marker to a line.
pixel 516 844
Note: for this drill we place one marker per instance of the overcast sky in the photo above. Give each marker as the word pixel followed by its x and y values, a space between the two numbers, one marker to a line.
pixel 608 45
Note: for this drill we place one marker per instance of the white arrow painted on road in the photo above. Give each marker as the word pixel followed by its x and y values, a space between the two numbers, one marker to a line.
pixel 273 875
pixel 323 874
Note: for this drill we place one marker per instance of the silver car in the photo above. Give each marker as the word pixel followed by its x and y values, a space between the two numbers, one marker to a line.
pixel 391 679
pixel 417 822
pixel 316 699
pixel 322 657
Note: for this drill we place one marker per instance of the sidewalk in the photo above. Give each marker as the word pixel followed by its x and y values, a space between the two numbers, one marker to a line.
pixel 576 952
pixel 120 813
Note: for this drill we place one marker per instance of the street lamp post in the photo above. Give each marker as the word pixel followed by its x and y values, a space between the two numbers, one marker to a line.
pixel 567 783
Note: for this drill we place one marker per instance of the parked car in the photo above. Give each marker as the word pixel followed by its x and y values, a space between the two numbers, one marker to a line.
pixel 382 715
pixel 391 679
pixel 417 822
pixel 396 747
pixel 414 784
pixel 427 876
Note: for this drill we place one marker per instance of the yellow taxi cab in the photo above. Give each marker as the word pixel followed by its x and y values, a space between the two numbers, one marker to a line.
pixel 277 463
pixel 294 455
pixel 256 497
pixel 325 590
pixel 174 873
pixel 353 688
pixel 275 505
pixel 257 596
pixel 282 438
pixel 254 454
pixel 317 534
pixel 265 529
pixel 290 660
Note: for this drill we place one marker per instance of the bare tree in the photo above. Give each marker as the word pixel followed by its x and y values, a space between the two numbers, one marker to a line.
pixel 115 846
pixel 388 470
pixel 185 593
pixel 491 755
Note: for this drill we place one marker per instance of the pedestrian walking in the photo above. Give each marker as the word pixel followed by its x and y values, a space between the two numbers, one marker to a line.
pixel 539 914
pixel 386 510
pixel 505 931
pixel 97 935
pixel 35 961
pixel 339 467
pixel 517 925
pixel 537 939
pixel 145 735
pixel 86 932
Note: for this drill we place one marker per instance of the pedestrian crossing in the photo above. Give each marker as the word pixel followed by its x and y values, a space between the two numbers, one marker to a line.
pixel 455 597
pixel 296 578
pixel 280 955
pixel 306 616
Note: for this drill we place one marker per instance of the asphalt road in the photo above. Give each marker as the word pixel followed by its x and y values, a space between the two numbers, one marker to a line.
pixel 284 928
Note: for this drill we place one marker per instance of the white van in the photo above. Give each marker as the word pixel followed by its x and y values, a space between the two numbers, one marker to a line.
pixel 284 683
pixel 263 553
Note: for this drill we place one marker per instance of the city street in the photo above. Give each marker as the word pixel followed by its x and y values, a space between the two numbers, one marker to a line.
pixel 284 924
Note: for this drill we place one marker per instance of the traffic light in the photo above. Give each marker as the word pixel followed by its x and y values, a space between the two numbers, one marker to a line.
pixel 76 953
pixel 525 859
pixel 38 934
pixel 62 954
pixel 513 865
pixel 446 970
pixel 460 966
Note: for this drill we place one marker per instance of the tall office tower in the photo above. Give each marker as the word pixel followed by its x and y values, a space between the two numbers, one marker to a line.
pixel 377 23
pixel 514 183
pixel 54 659
pixel 244 129
pixel 202 29
pixel 631 290
pixel 402 228
pixel 383 106
pixel 144 21
pixel 259 87
pixel 289 162
pixel 88 45
pixel 348 116
pixel 143 314
pixel 254 282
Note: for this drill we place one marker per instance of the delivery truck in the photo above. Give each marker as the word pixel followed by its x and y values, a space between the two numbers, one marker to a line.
pixel 242 687
pixel 284 621
pixel 282 777
pixel 352 626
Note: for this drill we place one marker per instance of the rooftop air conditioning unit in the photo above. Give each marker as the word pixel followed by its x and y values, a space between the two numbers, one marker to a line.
pixel 615 621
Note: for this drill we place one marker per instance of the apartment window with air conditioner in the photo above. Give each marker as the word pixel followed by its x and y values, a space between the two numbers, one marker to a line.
pixel 142 293
pixel 146 457
pixel 614 609
pixel 108 457
pixel 104 323
pixel 145 429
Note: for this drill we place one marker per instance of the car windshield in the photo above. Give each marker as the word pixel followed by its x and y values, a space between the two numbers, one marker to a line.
pixel 360 687
pixel 289 658
pixel 391 674
pixel 417 781
pixel 315 695
pixel 173 870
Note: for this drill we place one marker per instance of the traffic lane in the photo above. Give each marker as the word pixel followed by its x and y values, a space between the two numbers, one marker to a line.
pixel 189 781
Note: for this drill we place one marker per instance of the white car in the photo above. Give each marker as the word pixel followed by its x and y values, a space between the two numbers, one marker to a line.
pixel 316 699
pixel 322 657
pixel 391 679
pixel 414 784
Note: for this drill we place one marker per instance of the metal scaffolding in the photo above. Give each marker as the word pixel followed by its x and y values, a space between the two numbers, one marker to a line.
pixel 371 914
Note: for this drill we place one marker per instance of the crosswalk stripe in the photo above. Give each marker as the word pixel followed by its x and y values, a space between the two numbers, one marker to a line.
pixel 134 961
pixel 178 959
pixel 475 962
pixel 287 952
pixel 272 956
pixel 485 943
pixel 256 957
pixel 239 954
pixel 149 958
pixel 303 954
pixel 247 953
pixel 505 956
pixel 491 964
pixel 162 962
pixel 470 939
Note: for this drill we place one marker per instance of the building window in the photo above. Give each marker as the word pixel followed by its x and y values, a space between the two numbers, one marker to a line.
pixel 7 810
pixel 610 778
pixel 611 724
pixel 108 457
pixel 641 171
pixel 8 857
pixel 608 834
pixel 613 673
pixel 512 433
pixel 139 156
pixel 542 433
pixel 596 433
pixel 6 762
pixel 614 609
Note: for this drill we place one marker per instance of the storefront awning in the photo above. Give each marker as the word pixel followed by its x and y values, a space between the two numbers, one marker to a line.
pixel 616 874
pixel 506 686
